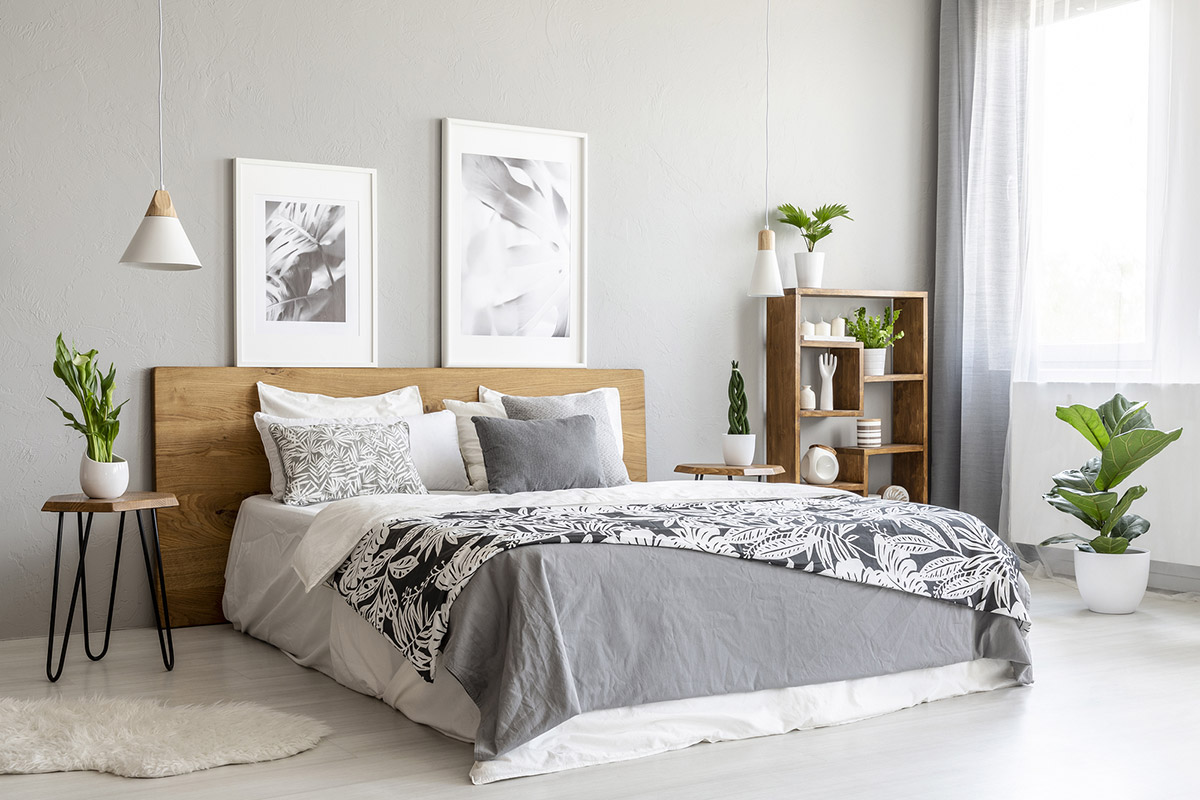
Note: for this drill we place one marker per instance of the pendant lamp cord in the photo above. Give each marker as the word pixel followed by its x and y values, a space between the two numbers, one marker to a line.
pixel 766 129
pixel 162 184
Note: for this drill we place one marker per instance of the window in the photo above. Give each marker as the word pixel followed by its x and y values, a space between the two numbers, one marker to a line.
pixel 1087 149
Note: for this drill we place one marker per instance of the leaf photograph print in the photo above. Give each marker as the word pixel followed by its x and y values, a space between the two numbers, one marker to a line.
pixel 516 270
pixel 306 261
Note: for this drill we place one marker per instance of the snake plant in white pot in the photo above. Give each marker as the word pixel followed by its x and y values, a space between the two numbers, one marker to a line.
pixel 1111 575
pixel 738 445
pixel 102 474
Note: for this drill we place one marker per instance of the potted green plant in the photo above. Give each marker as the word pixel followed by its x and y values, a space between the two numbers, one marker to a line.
pixel 737 446
pixel 102 474
pixel 815 226
pixel 877 334
pixel 1111 575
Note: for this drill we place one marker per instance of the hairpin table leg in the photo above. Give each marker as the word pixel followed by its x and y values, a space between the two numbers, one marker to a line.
pixel 112 593
pixel 166 645
pixel 52 672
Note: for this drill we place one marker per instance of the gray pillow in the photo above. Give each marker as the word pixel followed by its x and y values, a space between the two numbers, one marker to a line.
pixel 334 460
pixel 539 455
pixel 593 405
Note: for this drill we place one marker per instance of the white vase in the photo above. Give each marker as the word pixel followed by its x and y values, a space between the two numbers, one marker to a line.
pixel 810 267
pixel 738 449
pixel 103 480
pixel 808 399
pixel 1112 583
pixel 819 465
pixel 874 360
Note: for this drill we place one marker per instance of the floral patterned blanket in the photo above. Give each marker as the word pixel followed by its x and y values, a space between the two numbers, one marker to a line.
pixel 404 575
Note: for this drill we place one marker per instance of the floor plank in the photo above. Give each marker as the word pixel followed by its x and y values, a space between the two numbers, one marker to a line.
pixel 1115 712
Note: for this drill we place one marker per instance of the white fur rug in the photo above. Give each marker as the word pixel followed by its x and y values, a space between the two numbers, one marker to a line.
pixel 141 738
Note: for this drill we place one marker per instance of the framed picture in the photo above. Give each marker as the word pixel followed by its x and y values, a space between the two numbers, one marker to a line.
pixel 514 256
pixel 306 252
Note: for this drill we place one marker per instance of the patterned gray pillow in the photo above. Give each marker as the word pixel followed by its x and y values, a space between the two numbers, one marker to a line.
pixel 561 406
pixel 333 460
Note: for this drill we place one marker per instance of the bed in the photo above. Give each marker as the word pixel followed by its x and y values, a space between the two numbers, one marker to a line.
pixel 558 655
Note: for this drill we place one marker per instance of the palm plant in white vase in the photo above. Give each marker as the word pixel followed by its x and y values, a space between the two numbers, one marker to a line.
pixel 102 474
pixel 815 226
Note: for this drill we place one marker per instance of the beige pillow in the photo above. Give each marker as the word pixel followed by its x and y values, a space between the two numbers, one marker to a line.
pixel 468 437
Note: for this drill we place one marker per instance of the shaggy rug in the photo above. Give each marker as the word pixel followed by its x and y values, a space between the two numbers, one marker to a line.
pixel 141 738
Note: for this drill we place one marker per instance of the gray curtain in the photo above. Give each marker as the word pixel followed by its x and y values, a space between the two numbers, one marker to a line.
pixel 979 252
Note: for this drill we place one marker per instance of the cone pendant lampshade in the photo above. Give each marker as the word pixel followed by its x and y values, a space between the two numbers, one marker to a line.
pixel 766 281
pixel 160 242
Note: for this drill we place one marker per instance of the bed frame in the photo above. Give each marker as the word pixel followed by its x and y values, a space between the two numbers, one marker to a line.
pixel 209 454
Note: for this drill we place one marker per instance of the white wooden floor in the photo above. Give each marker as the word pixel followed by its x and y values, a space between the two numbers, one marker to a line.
pixel 1115 712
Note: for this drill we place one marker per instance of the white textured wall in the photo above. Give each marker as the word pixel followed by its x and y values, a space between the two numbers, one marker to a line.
pixel 669 91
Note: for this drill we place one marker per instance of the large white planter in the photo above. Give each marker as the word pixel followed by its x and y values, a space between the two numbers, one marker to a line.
pixel 103 481
pixel 810 268
pixel 874 360
pixel 1112 583
pixel 738 449
pixel 819 465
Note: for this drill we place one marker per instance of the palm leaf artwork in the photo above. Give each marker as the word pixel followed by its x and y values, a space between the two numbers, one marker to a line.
pixel 516 272
pixel 306 262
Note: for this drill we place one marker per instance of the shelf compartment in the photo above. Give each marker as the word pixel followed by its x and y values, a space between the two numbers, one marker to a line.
pixel 837 412
pixel 848 486
pixel 894 377
pixel 834 345
pixel 883 449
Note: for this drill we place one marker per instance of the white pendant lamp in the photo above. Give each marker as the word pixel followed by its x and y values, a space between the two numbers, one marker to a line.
pixel 160 242
pixel 766 281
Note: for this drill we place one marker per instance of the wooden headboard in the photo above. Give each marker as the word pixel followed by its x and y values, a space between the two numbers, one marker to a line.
pixel 208 452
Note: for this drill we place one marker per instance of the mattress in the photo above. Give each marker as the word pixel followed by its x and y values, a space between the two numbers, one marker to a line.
pixel 265 598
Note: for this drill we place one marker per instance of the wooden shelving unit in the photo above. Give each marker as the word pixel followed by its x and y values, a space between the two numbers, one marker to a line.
pixel 909 385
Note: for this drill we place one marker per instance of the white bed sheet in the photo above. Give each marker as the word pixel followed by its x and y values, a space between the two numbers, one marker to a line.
pixel 264 597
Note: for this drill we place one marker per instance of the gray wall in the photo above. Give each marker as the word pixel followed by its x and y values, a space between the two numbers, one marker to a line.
pixel 670 93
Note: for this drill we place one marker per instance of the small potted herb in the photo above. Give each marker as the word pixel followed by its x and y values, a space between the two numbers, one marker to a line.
pixel 102 474
pixel 810 264
pixel 877 334
pixel 738 445
pixel 1110 574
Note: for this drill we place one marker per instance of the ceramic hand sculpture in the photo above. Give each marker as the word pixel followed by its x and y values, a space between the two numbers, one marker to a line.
pixel 828 364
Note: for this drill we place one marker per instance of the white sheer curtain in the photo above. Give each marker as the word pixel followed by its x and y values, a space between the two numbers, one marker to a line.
pixel 1111 288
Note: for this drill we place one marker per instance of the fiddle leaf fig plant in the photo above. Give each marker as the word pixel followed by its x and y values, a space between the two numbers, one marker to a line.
pixel 875 332
pixel 815 226
pixel 1126 437
pixel 94 391
pixel 738 423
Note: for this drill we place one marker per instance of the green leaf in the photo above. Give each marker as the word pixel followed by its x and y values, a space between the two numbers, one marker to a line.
pixel 1130 526
pixel 1087 421
pixel 1109 544
pixel 1128 451
pixel 1120 415
pixel 1097 505
pixel 1067 507
pixel 1078 479
pixel 1118 511
pixel 1062 538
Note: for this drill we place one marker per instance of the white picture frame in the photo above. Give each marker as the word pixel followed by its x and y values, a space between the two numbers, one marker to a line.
pixel 296 306
pixel 514 273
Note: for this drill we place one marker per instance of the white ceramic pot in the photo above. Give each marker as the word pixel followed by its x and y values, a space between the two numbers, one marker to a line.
pixel 819 465
pixel 1112 583
pixel 738 449
pixel 103 481
pixel 874 360
pixel 810 267
pixel 808 399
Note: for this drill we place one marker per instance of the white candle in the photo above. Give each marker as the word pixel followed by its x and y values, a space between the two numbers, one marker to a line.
pixel 806 328
pixel 837 327
pixel 822 328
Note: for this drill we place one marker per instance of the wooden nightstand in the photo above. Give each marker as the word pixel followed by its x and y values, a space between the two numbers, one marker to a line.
pixel 759 471
pixel 81 504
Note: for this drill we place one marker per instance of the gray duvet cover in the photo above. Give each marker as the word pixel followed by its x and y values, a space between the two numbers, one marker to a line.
pixel 545 632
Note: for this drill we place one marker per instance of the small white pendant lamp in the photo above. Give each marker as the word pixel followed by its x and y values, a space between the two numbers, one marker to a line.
pixel 766 281
pixel 160 242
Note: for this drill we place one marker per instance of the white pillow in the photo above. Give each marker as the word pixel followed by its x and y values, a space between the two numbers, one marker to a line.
pixel 612 402
pixel 301 405
pixel 433 442
pixel 468 437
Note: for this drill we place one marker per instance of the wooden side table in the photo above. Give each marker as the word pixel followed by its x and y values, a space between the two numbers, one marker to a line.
pixel 81 504
pixel 759 471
